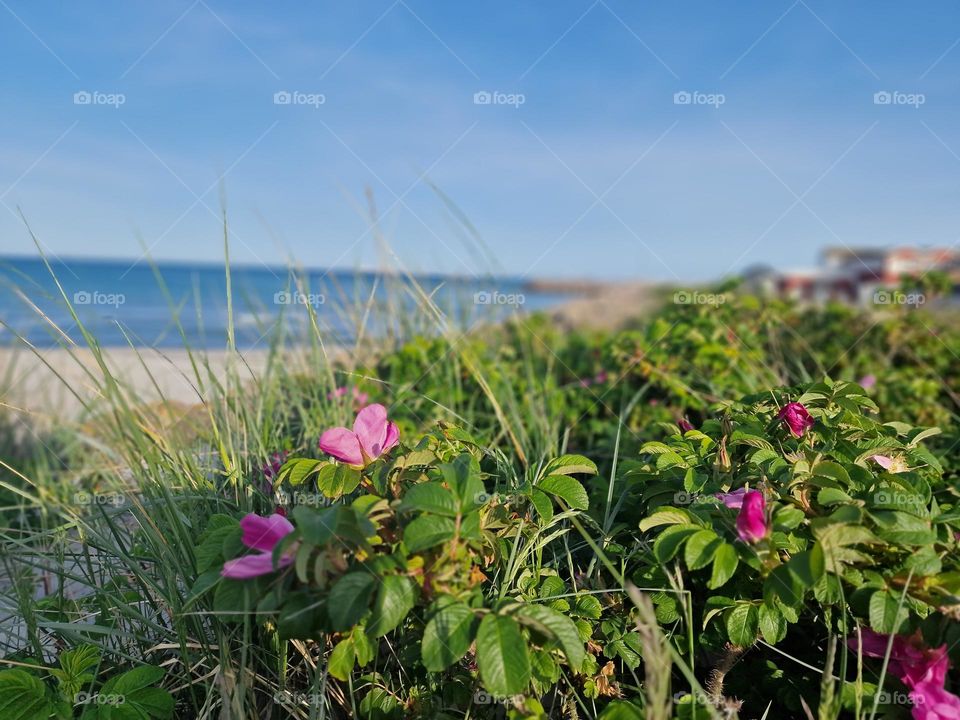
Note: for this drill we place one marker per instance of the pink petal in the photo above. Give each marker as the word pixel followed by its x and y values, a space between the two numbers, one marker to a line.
pixel 393 437
pixel 342 444
pixel 932 702
pixel 883 461
pixel 733 499
pixel 251 566
pixel 263 533
pixel 371 429
pixel 752 520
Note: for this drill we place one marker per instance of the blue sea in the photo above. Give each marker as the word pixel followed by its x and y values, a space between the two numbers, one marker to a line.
pixel 168 305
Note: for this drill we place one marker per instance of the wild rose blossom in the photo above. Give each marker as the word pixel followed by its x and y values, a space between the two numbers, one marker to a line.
pixel 868 381
pixel 892 465
pixel 371 437
pixel 262 534
pixel 752 526
pixel 684 425
pixel 796 417
pixel 922 669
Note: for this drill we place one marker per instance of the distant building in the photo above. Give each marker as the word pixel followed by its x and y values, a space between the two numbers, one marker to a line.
pixel 853 275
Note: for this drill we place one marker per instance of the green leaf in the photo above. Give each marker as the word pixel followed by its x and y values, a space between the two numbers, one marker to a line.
pixel 447 636
pixel 337 480
pixel 430 497
pixel 570 465
pixel 700 549
pixel 502 656
pixel 742 624
pixel 342 660
pixel 773 625
pixel 23 697
pixel 426 531
pixel 885 614
pixel 556 627
pixel 543 505
pixel 463 478
pixel 669 542
pixel 296 620
pixel 395 599
pixel 833 471
pixel 349 599
pixel 232 598
pixel 621 710
pixel 725 562
pixel 140 700
pixel 297 470
pixel 567 489
pixel 669 516
pixel 316 526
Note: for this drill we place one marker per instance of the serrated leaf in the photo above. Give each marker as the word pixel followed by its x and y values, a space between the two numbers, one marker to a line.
pixel 570 465
pixel 502 656
pixel 427 531
pixel 447 636
pixel 349 599
pixel 725 562
pixel 700 549
pixel 742 624
pixel 395 599
pixel 566 488
pixel 557 627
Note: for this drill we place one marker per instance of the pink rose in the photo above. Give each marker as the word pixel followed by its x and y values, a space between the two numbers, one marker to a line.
pixel 796 417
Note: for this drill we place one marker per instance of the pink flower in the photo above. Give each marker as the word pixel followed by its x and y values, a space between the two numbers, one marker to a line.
pixel 910 661
pixel 752 521
pixel 891 465
pixel 600 377
pixel 868 381
pixel 932 702
pixel 684 425
pixel 733 499
pixel 796 417
pixel 371 437
pixel 263 534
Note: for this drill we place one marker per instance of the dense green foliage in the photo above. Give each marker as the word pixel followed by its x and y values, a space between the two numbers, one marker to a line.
pixel 545 541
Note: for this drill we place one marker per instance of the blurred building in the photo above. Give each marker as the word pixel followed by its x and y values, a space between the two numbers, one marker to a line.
pixel 854 275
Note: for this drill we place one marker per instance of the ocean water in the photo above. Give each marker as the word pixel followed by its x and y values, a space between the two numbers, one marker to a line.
pixel 123 303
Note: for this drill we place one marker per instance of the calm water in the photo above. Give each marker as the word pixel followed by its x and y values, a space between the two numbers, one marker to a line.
pixel 122 303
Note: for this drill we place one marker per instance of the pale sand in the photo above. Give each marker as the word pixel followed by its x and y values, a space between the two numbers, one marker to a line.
pixel 54 383
pixel 46 387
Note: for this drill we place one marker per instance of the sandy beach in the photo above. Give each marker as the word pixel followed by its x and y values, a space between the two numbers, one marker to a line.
pixel 55 383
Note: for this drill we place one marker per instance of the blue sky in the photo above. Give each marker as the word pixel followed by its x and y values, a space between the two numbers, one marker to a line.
pixel 600 171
